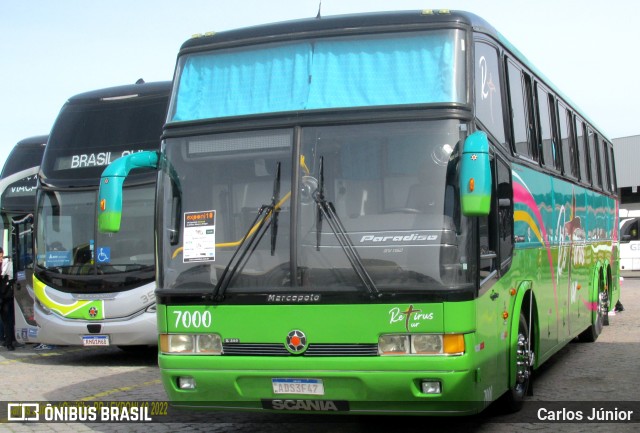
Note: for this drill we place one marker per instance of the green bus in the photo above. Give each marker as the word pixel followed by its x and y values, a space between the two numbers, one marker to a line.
pixel 373 213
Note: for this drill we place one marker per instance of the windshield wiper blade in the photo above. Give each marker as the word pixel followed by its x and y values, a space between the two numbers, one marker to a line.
pixel 327 211
pixel 318 196
pixel 274 210
pixel 250 241
pixel 246 248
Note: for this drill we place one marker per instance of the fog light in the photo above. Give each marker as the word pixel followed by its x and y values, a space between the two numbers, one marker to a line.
pixel 431 387
pixel 186 382
pixel 44 309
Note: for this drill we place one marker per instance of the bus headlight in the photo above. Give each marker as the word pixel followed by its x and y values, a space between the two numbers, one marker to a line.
pixel 393 344
pixel 426 344
pixel 421 344
pixel 209 343
pixel 191 344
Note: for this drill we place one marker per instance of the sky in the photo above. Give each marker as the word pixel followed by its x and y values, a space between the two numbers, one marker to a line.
pixel 53 49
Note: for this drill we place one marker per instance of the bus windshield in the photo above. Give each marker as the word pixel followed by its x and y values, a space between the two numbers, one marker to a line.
pixel 69 245
pixel 393 223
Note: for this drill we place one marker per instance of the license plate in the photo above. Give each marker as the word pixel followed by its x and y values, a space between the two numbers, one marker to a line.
pixel 298 386
pixel 95 340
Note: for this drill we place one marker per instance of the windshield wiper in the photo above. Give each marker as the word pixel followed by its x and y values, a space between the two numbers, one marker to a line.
pixel 275 211
pixel 327 211
pixel 251 239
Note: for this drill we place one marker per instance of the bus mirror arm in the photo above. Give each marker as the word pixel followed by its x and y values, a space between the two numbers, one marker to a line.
pixel 504 202
pixel 111 182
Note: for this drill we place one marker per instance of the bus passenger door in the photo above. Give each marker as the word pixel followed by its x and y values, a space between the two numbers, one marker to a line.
pixel 496 250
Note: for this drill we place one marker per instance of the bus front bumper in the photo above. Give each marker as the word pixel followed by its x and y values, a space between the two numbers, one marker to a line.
pixel 350 386
pixel 137 330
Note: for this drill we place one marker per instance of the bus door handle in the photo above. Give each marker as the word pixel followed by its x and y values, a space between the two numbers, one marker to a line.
pixel 494 295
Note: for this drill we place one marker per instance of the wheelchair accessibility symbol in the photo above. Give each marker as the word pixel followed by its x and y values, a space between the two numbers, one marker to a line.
pixel 104 255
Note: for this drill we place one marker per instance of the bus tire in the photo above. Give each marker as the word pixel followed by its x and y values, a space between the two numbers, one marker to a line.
pixel 599 317
pixel 513 399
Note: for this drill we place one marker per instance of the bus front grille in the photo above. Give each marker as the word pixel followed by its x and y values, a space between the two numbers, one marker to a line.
pixel 275 349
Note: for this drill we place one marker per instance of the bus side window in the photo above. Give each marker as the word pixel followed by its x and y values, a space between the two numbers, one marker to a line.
pixel 604 167
pixel 596 179
pixel 549 151
pixel 496 230
pixel 504 199
pixel 569 153
pixel 488 97
pixel 629 232
pixel 520 108
pixel 583 154
pixel 612 169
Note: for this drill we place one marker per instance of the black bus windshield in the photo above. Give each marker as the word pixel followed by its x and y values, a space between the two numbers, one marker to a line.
pixel 92 130
pixel 392 185
pixel 69 245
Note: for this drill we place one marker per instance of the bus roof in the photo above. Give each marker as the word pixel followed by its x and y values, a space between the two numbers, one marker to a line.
pixel 338 24
pixel 139 89
pixel 27 153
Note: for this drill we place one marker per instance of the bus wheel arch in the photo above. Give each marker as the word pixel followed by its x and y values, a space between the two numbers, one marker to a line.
pixel 522 352
pixel 609 287
pixel 600 306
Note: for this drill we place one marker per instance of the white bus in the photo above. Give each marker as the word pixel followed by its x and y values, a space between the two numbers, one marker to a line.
pixel 94 289
pixel 629 240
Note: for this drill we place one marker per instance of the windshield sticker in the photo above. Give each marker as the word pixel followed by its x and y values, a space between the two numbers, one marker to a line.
pixel 55 259
pixel 199 236
pixel 104 255
pixel 411 317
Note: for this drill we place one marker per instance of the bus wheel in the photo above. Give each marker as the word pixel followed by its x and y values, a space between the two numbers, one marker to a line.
pixel 591 334
pixel 514 397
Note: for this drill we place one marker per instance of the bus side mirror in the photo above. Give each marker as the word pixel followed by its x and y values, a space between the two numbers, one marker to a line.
pixel 111 182
pixel 475 176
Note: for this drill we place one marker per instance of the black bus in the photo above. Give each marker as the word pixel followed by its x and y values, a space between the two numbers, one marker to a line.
pixel 17 202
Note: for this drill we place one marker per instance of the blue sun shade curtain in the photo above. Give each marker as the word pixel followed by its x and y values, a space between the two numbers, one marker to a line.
pixel 326 73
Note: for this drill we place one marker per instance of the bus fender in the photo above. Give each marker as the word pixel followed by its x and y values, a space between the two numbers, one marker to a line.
pixel 523 288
